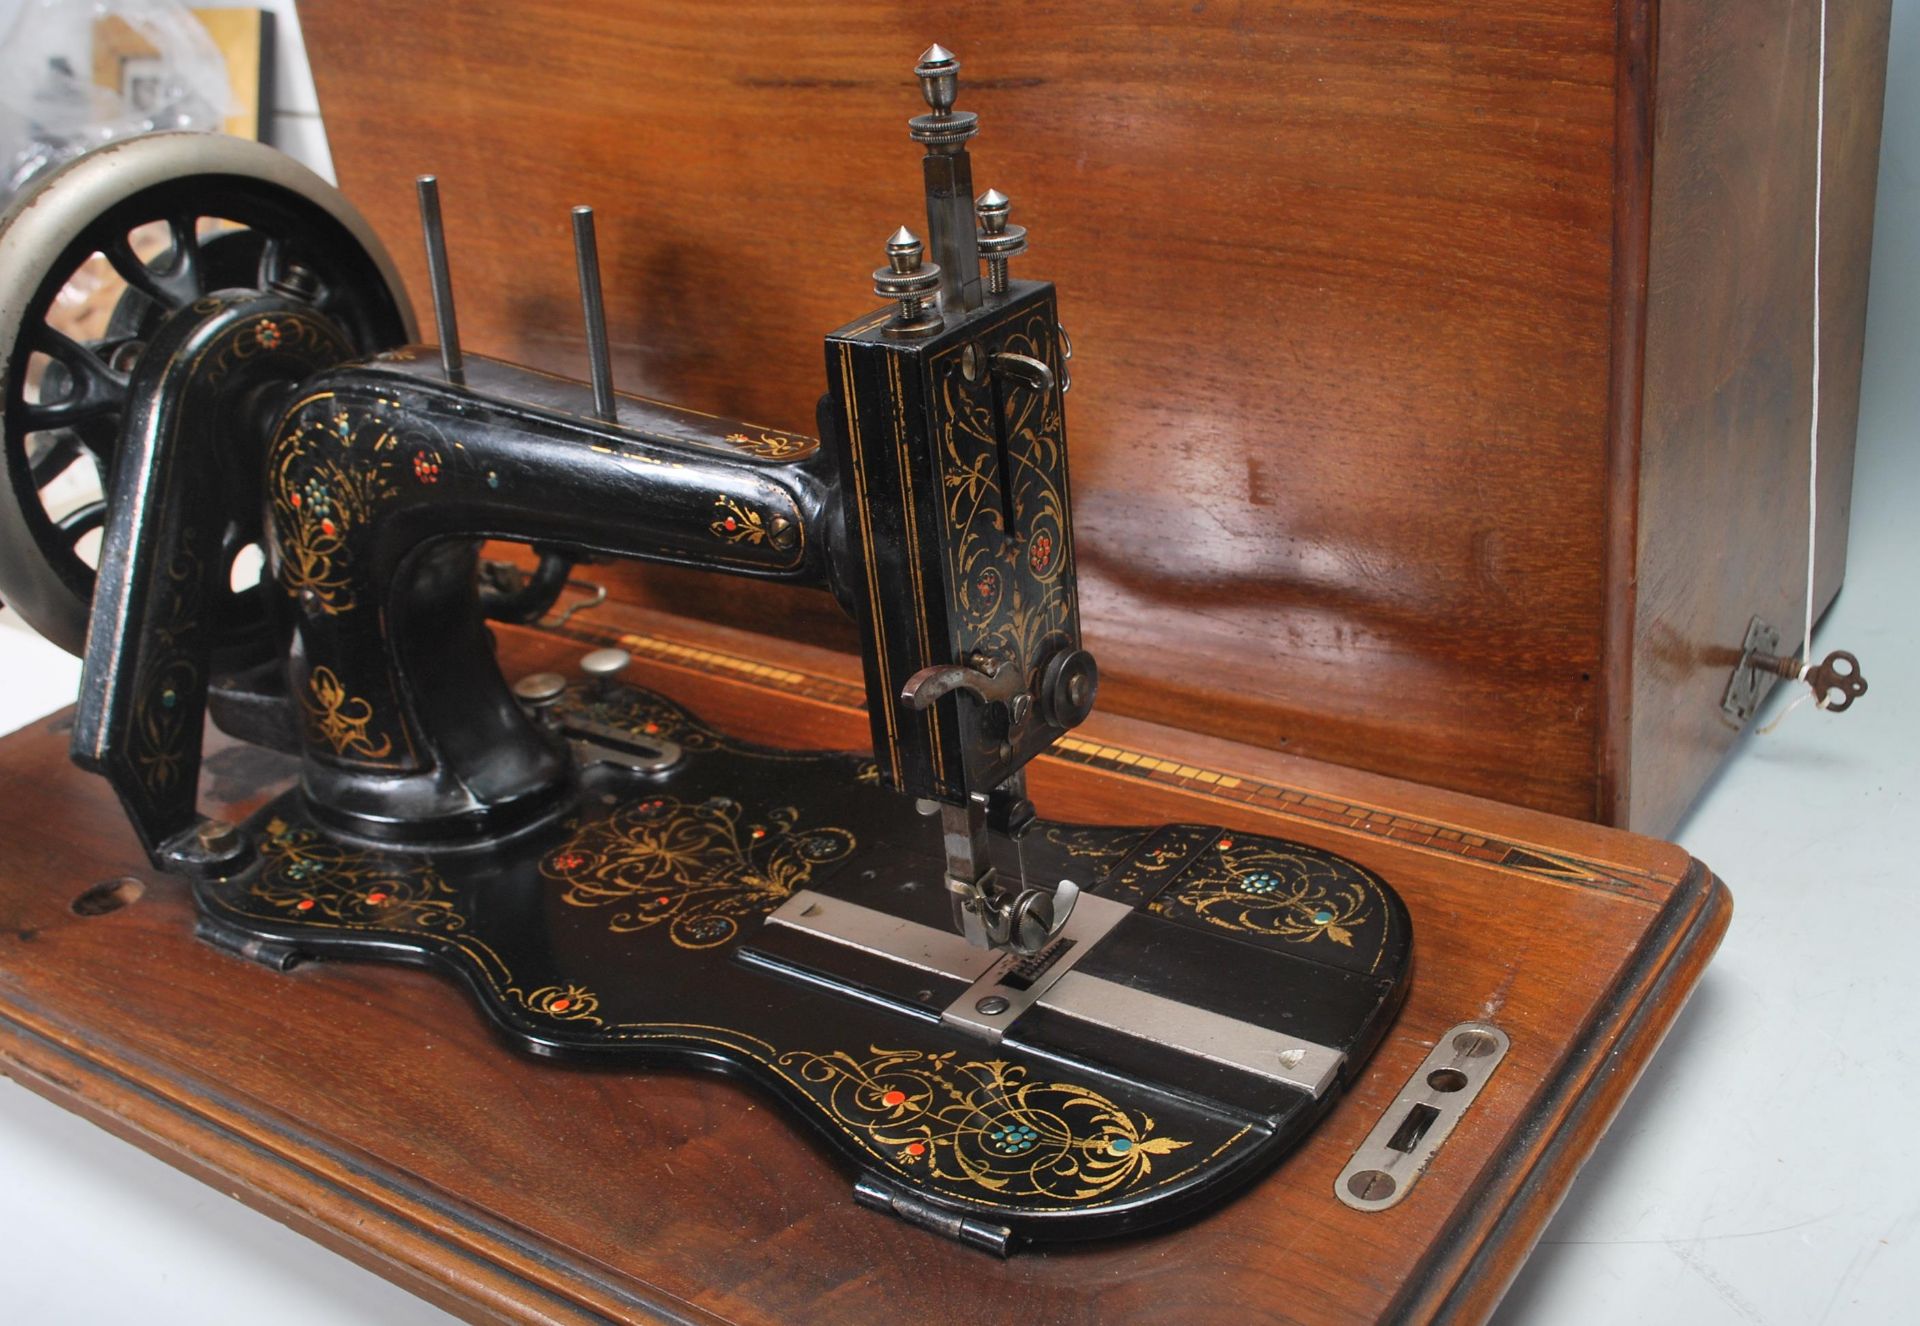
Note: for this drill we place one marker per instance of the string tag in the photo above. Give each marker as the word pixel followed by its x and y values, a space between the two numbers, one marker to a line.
pixel 1836 682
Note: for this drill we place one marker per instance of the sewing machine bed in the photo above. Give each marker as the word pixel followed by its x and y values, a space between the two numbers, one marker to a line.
pixel 376 1108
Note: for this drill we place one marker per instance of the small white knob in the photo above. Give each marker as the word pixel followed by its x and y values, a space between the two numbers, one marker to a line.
pixel 540 688
pixel 605 664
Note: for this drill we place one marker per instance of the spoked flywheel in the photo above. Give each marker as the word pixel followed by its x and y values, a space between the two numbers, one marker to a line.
pixel 92 260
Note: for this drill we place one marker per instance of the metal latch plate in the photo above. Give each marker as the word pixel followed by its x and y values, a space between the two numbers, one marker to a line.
pixel 1427 1110
pixel 1749 685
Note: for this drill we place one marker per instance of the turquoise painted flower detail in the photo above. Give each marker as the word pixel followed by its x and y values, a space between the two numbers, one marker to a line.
pixel 1013 1138
pixel 1260 881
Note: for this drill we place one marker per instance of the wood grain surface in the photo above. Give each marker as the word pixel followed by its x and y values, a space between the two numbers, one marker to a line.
pixel 1368 299
pixel 369 1107
pixel 1725 449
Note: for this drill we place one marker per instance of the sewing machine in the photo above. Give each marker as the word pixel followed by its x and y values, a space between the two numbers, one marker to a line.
pixel 1007 1028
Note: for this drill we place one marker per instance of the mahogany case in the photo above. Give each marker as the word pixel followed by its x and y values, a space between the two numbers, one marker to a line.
pixel 1443 369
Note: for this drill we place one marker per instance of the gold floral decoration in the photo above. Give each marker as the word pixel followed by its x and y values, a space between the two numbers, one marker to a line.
pixel 737 523
pixel 326 475
pixel 986 1123
pixel 695 869
pixel 1278 890
pixel 567 1003
pixel 771 446
pixel 340 719
pixel 1008 583
pixel 307 876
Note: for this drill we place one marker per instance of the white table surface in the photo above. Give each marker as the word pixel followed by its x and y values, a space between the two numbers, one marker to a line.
pixel 1766 1169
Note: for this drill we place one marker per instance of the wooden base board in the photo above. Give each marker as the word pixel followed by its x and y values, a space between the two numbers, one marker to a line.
pixel 369 1107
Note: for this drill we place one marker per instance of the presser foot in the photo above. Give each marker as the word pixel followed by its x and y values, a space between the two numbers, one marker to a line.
pixel 783 916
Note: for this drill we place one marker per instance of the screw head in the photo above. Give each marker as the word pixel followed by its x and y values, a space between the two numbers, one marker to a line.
pixel 991 1005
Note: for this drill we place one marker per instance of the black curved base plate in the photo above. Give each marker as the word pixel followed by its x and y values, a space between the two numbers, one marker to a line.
pixel 618 934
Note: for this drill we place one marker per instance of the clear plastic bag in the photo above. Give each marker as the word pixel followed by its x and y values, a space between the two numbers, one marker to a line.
pixel 172 76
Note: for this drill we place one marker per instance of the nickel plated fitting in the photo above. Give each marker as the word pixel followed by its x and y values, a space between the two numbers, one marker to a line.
pixel 948 176
pixel 914 283
pixel 998 241
pixel 943 127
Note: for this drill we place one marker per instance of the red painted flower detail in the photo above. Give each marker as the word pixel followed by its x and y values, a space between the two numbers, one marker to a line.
pixel 269 335
pixel 426 467
pixel 1040 551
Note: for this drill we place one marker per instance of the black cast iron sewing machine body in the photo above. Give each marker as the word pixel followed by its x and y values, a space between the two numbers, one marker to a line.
pixel 610 876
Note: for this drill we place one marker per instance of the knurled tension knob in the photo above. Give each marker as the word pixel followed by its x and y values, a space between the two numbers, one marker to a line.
pixel 911 281
pixel 998 241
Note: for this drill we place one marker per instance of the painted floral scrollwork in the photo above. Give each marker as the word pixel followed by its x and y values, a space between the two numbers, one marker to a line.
pixel 1101 849
pixel 771 446
pixel 307 876
pixel 162 713
pixel 340 719
pixel 737 522
pixel 1008 582
pixel 696 869
pixel 1278 890
pixel 566 1003
pixel 986 1123
pixel 326 475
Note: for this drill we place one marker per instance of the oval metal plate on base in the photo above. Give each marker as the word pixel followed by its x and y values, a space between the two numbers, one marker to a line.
pixel 1410 1133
